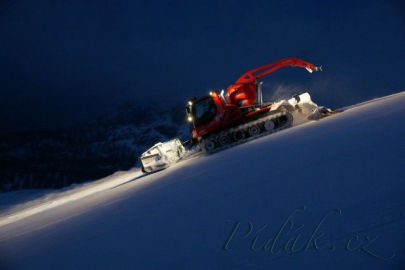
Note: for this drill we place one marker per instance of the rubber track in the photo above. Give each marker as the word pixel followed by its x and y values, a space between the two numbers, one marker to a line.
pixel 247 125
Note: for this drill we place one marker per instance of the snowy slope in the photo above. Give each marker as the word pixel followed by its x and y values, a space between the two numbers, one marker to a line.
pixel 326 194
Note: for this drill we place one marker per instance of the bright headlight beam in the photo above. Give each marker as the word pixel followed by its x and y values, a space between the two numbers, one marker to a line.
pixel 115 181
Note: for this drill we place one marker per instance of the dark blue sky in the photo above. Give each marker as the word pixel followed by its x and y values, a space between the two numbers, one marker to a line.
pixel 67 62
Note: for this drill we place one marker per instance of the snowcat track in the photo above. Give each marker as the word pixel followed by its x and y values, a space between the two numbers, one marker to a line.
pixel 244 127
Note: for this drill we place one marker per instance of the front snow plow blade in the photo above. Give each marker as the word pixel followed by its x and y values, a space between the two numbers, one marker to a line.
pixel 161 156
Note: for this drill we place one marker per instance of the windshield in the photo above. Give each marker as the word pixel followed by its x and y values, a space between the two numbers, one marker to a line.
pixel 204 110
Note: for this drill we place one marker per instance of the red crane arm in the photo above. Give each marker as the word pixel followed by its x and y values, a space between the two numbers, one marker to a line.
pixel 251 75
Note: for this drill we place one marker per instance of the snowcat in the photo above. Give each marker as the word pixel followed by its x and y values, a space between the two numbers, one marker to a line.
pixel 222 120
pixel 218 121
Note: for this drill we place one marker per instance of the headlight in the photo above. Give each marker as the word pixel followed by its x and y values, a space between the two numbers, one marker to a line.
pixel 190 119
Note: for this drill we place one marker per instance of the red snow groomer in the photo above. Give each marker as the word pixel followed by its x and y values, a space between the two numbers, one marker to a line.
pixel 218 121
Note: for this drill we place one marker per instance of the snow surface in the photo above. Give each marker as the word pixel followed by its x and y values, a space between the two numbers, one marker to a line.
pixel 326 194
pixel 15 205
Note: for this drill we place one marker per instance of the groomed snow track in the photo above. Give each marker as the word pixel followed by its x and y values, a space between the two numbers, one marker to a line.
pixel 337 181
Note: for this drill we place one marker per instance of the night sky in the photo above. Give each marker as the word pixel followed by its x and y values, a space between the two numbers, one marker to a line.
pixel 68 62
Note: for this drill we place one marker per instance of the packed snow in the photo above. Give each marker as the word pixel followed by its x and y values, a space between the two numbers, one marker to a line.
pixel 325 194
pixel 16 211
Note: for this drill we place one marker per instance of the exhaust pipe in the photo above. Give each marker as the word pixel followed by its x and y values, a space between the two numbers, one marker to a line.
pixel 259 93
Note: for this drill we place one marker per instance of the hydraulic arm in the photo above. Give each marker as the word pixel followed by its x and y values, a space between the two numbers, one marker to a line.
pixel 244 91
